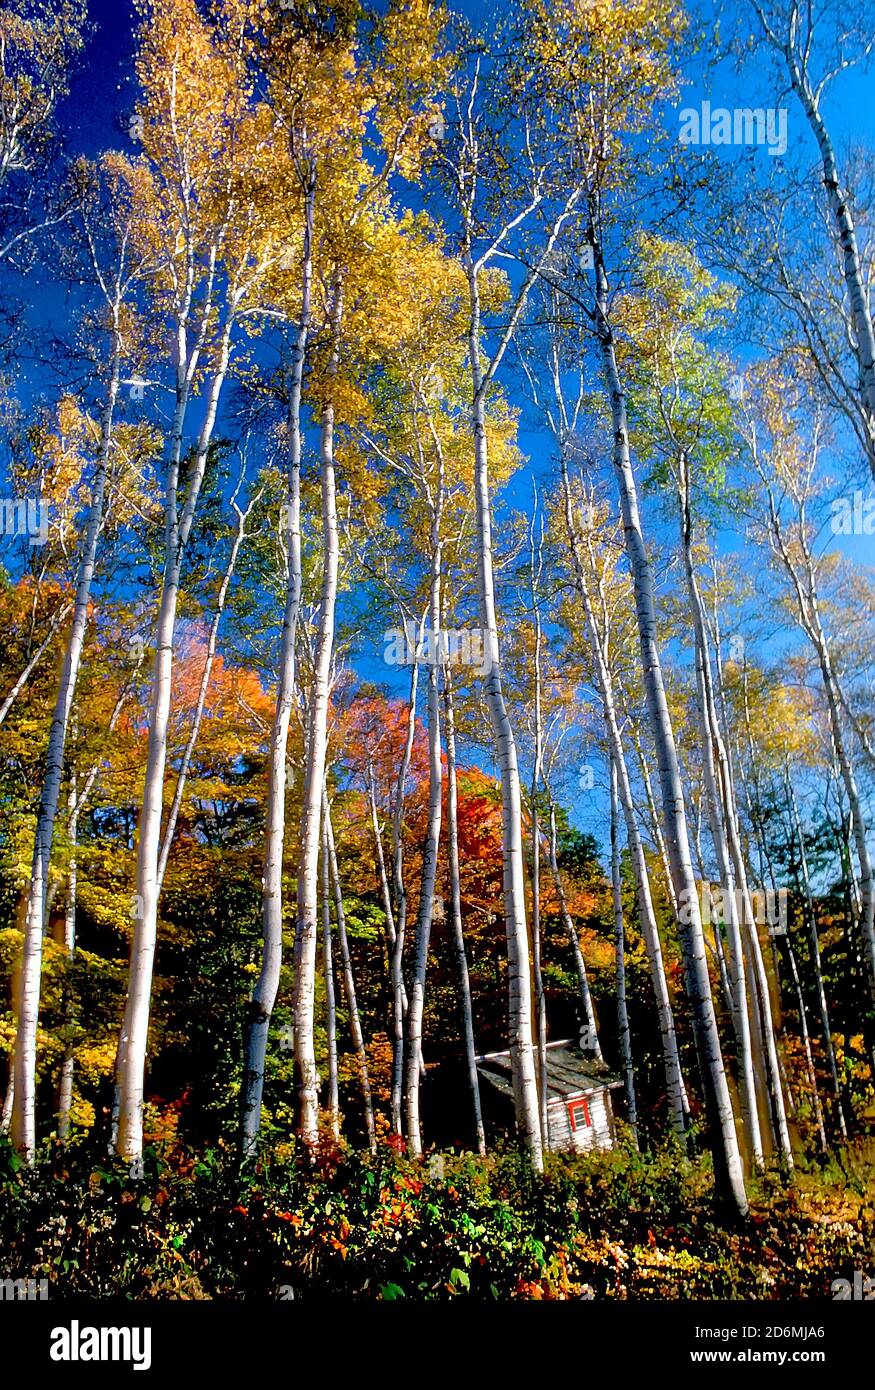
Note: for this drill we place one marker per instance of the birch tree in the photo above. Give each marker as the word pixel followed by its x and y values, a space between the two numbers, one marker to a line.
pixel 208 165
pixel 785 457
pixel 604 97
pixel 391 91
pixel 507 209
pixel 813 46
pixel 108 215
pixel 40 44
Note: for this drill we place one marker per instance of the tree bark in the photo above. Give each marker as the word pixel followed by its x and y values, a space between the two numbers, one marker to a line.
pixel 811 919
pixel 317 740
pixel 598 637
pixel 65 1085
pixel 135 1024
pixel 23 1122
pixel 808 617
pixel 355 1027
pixel 456 913
pixel 624 1030
pixel 728 1173
pixel 425 915
pixel 538 975
pixel 725 870
pixel 399 993
pixel 862 340
pixel 265 992
pixel 525 1083
pixel 57 619
pixel 330 998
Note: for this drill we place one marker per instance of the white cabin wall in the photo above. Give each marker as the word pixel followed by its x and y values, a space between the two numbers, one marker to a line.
pixel 598 1134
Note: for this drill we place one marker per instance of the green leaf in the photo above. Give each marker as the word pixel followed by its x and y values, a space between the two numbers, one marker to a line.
pixel 391 1291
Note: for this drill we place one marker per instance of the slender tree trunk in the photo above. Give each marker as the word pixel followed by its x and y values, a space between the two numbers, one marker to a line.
pixel 599 644
pixel 808 616
pixel 425 914
pixel 317 739
pixel 355 1027
pixel 265 992
pixel 135 1024
pixel 65 1085
pixel 399 993
pixel 23 1123
pixel 862 340
pixel 590 1026
pixel 776 1079
pixel 730 901
pixel 655 827
pixel 197 717
pixel 728 1172
pixel 858 820
pixel 525 1083
pixel 383 877
pixel 330 999
pixel 58 618
pixel 456 912
pixel 538 974
pixel 624 1030
pixel 8 1099
pixel 806 1043
pixel 811 918
pixel 724 822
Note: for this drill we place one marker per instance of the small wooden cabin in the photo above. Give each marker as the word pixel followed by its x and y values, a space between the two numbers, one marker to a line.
pixel 579 1112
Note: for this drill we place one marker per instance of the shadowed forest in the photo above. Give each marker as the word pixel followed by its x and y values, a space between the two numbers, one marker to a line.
pixel 437 701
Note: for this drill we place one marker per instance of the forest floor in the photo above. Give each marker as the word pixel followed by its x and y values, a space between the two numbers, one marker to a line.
pixel 611 1226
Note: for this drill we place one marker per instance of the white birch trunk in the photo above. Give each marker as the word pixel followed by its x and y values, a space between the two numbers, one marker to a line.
pixel 525 1082
pixel 456 913
pixel 738 985
pixel 625 1033
pixel 590 1025
pixel 23 1122
pixel 330 998
pixel 133 1041
pixel 862 339
pixel 537 972
pixel 678 1104
pixel 811 919
pixel 728 1172
pixel 399 993
pixel 810 621
pixel 355 1027
pixel 57 619
pixel 65 1085
pixel 317 741
pixel 425 915
pixel 265 992
pixel 198 714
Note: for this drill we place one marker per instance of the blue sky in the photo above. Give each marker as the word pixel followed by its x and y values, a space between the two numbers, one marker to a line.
pixel 93 117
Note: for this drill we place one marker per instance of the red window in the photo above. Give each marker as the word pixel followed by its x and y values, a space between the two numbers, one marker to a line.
pixel 578 1114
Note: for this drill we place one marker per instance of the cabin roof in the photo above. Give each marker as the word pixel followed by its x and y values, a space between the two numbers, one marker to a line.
pixel 569 1072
